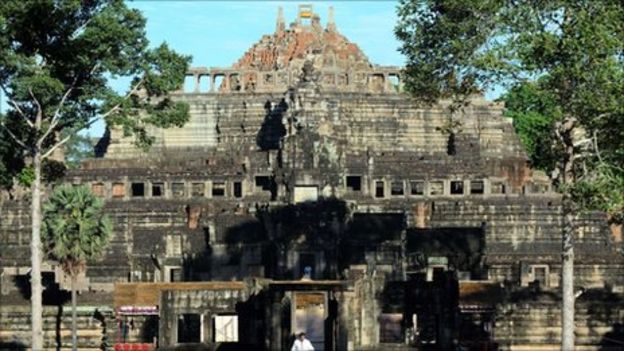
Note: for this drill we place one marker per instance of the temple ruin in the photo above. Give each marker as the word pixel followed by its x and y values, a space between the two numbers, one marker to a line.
pixel 308 192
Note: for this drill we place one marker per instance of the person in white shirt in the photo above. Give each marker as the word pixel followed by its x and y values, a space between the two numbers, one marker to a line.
pixel 302 344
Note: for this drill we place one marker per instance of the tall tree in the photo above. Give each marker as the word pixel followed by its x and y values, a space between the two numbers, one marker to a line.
pixel 77 149
pixel 56 61
pixel 568 50
pixel 75 231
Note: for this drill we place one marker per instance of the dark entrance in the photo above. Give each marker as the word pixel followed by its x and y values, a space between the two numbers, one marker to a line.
pixel 189 328
pixel 437 259
pixel 306 264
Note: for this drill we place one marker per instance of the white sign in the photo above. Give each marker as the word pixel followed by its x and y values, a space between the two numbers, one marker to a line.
pixel 226 328
pixel 306 193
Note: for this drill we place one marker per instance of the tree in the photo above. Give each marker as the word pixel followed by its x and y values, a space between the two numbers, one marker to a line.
pixel 77 149
pixel 75 231
pixel 567 50
pixel 11 163
pixel 56 60
pixel 534 114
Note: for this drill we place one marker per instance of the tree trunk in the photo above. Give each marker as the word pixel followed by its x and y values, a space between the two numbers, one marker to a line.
pixel 567 277
pixel 73 298
pixel 35 248
pixel 566 135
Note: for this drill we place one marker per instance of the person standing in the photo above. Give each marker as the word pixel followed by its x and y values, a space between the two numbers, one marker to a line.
pixel 302 344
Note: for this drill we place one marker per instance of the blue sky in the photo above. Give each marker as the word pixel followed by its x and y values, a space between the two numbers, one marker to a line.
pixel 218 33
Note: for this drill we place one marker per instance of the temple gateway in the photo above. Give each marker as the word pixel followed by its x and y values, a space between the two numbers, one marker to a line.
pixel 309 193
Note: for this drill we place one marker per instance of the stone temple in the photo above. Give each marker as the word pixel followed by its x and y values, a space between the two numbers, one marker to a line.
pixel 308 193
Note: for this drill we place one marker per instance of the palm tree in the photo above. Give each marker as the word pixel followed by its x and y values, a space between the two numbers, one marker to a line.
pixel 74 231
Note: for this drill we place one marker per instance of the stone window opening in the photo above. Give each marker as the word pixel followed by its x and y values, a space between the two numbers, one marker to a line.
pixel 138 189
pixel 97 189
pixel 190 326
pixel 204 83
pixel 397 188
pixel 263 183
pixel 477 187
pixel 266 183
pixel 417 187
pixel 539 274
pixel 197 190
pixel 457 187
pixel 354 183
pixel 173 274
pixel 218 189
pixel 436 188
pixel 498 188
pixel 394 81
pixel 177 190
pixel 379 189
pixel 119 190
pixel 158 189
pixel 237 189
pixel 376 82
pixel 451 149
pixel 235 82
pixel 189 84
pixel 343 79
pixel 218 82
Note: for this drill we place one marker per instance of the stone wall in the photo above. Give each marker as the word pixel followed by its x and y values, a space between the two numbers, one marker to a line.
pixel 97 327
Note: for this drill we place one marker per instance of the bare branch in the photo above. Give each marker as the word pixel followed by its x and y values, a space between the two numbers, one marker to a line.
pixel 91 122
pixel 116 107
pixel 596 149
pixel 68 137
pixel 80 29
pixel 17 108
pixel 32 95
pixel 14 137
pixel 57 113
pixel 53 148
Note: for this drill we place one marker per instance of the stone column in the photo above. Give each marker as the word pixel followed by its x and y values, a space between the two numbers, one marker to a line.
pixel 276 321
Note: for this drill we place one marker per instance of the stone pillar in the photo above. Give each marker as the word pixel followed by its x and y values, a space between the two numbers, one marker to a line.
pixel 386 83
pixel 331 24
pixel 280 26
pixel 276 321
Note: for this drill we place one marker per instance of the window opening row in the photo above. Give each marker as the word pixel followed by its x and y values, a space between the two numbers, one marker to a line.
pixel 417 188
pixel 178 189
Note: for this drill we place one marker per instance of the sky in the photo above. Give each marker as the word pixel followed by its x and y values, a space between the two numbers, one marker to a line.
pixel 217 33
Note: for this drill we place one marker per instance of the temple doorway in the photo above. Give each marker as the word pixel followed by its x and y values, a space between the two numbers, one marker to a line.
pixel 309 313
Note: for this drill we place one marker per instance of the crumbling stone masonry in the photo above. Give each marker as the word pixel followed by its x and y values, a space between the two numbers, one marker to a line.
pixel 308 192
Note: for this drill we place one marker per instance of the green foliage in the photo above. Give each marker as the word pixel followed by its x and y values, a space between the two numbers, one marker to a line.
pixel 605 193
pixel 52 172
pixel 11 155
pixel 562 60
pixel 26 176
pixel 80 147
pixel 534 112
pixel 75 230
pixel 56 61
